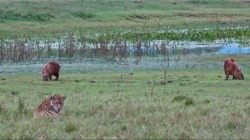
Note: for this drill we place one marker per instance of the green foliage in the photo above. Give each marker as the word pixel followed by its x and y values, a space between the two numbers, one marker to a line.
pixel 179 98
pixel 21 108
pixel 11 15
pixel 231 126
pixel 191 35
pixel 188 100
pixel 70 127
pixel 84 15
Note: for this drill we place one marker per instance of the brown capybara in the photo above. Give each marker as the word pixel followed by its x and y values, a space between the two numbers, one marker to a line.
pixel 231 68
pixel 50 69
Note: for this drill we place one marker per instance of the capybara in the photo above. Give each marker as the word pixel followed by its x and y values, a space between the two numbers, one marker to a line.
pixel 231 68
pixel 50 69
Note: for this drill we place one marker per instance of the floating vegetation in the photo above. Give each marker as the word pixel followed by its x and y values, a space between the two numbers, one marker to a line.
pixel 190 35
pixel 241 33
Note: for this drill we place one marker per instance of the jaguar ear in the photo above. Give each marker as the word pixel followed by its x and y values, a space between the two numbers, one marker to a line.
pixel 52 97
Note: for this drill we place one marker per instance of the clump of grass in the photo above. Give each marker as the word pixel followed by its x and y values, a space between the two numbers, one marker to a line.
pixel 207 101
pixel 196 2
pixel 14 93
pixel 11 15
pixel 136 16
pixel 179 98
pixel 124 128
pixel 70 127
pixel 183 136
pixel 92 81
pixel 3 78
pixel 21 106
pixel 2 109
pixel 188 100
pixel 84 15
pixel 138 1
pixel 231 126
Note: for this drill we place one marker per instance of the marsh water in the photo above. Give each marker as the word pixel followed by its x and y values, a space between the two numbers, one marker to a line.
pixel 75 55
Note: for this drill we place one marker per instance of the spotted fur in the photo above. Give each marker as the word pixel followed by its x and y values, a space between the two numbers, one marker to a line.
pixel 50 107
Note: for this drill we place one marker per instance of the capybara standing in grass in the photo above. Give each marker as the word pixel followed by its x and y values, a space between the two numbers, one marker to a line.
pixel 231 68
pixel 50 69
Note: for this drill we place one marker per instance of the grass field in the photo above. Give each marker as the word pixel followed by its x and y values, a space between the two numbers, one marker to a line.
pixel 189 103
pixel 91 16
pixel 105 99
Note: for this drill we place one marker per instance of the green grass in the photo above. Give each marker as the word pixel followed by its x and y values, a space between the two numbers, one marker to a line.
pixel 91 16
pixel 196 104
pixel 240 34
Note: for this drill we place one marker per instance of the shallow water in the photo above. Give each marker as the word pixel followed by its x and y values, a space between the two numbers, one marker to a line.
pixel 234 48
pixel 180 54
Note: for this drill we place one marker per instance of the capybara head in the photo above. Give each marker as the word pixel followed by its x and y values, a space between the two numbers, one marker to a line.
pixel 56 102
pixel 238 75
pixel 45 74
